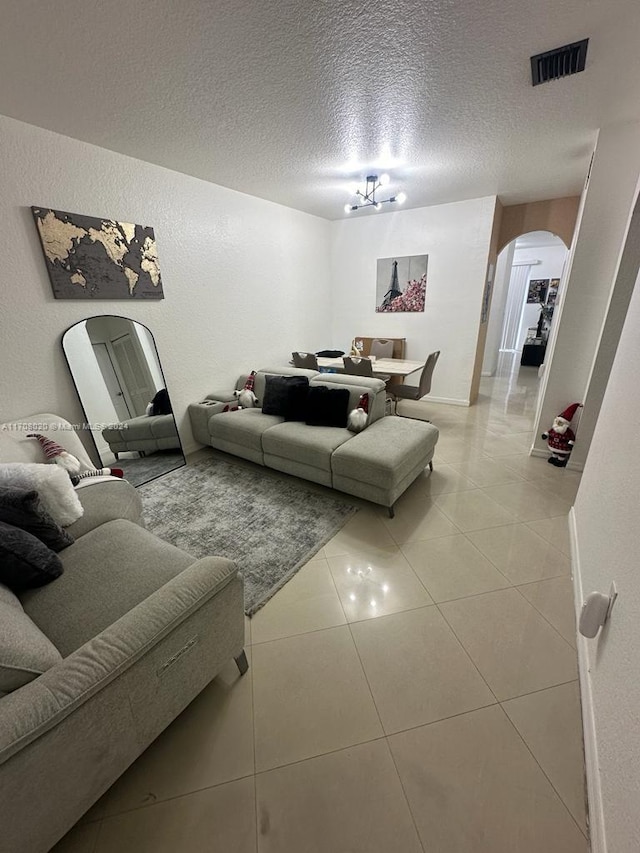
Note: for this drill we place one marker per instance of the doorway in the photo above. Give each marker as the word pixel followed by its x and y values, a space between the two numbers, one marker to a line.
pixel 111 381
pixel 528 277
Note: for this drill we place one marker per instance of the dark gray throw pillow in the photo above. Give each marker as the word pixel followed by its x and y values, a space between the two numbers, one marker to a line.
pixel 286 397
pixel 327 406
pixel 22 508
pixel 25 562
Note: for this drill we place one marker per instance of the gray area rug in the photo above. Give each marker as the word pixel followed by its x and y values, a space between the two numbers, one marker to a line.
pixel 269 525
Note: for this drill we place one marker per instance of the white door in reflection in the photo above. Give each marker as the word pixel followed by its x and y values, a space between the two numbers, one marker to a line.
pixel 111 381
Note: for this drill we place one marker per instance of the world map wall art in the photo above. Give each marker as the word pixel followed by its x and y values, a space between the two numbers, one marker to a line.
pixel 90 258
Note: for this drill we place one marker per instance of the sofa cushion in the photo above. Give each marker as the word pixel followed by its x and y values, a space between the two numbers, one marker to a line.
pixel 385 452
pixel 260 378
pixel 244 427
pixel 25 561
pixel 357 385
pixel 286 397
pixel 107 572
pixel 22 508
pixel 25 652
pixel 327 406
pixel 301 443
pixel 105 501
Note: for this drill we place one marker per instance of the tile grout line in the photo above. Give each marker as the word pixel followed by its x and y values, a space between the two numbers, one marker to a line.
pixel 386 739
pixel 498 569
pixel 320 755
pixel 548 541
pixel 451 628
pixel 404 794
pixel 144 806
pixel 538 690
pixel 524 597
pixel 253 729
pixel 542 770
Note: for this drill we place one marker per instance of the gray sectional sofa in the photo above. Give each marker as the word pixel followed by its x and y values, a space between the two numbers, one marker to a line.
pixel 115 649
pixel 377 464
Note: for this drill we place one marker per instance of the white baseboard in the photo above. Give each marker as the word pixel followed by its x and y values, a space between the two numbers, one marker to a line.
pixel 450 401
pixel 594 791
pixel 570 466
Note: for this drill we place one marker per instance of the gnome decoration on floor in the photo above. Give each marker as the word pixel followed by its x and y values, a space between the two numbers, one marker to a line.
pixel 55 453
pixel 561 438
pixel 246 397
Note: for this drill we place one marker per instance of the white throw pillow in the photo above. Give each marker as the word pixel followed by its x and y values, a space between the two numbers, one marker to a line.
pixel 57 495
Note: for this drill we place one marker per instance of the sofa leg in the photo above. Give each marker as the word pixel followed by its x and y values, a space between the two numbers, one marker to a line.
pixel 392 512
pixel 242 662
pixel 431 465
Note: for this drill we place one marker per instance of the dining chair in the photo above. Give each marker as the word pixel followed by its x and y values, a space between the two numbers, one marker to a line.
pixel 416 392
pixel 381 348
pixel 305 359
pixel 357 366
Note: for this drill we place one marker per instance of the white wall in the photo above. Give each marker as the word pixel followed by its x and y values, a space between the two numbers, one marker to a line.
pixel 607 548
pixel 456 238
pixel 245 280
pixel 501 280
pixel 600 234
pixel 608 344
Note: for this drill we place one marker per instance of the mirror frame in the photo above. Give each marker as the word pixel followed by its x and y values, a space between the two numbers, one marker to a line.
pixel 88 420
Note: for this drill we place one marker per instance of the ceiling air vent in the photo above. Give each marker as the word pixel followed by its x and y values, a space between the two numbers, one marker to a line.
pixel 561 62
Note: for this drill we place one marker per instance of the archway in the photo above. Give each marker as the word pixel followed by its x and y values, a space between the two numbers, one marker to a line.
pixel 527 280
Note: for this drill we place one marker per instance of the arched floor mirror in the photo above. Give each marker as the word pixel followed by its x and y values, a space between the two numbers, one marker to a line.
pixel 117 373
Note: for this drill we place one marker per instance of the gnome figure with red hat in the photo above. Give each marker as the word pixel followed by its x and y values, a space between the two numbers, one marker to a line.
pixel 561 438
pixel 55 453
pixel 246 396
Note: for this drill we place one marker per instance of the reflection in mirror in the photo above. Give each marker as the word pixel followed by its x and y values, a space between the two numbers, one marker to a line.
pixel 114 364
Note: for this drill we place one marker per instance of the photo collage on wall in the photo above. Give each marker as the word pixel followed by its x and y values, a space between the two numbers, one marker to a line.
pixel 552 293
pixel 537 290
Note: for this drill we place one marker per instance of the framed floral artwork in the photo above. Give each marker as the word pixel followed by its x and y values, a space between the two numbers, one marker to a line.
pixel 401 284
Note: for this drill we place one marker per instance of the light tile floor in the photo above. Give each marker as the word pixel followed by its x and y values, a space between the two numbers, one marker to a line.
pixel 413 688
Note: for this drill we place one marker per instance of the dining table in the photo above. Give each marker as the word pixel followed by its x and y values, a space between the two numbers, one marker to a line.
pixel 401 367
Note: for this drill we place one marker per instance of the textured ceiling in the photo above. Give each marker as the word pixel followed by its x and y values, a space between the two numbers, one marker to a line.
pixel 291 100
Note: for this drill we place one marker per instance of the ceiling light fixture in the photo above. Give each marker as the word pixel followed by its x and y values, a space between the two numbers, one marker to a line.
pixel 368 197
